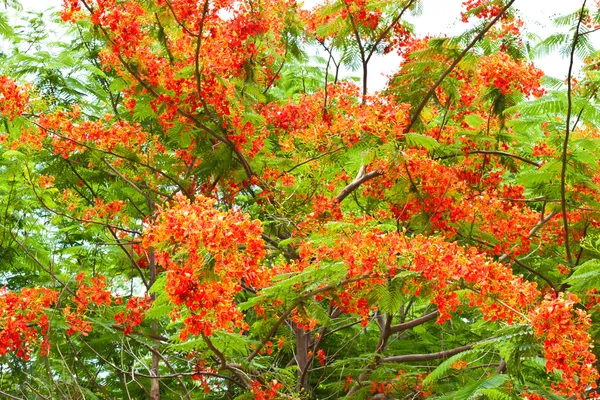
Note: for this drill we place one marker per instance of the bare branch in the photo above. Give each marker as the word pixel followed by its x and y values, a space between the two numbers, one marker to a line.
pixel 491 152
pixel 356 183
pixel 415 322
pixel 427 357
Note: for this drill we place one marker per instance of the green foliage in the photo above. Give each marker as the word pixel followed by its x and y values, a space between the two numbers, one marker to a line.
pixel 266 135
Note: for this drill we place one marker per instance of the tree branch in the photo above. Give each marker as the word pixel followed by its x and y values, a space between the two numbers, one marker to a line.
pixel 563 173
pixel 415 322
pixel 314 159
pixel 533 271
pixel 10 396
pixel 447 72
pixel 355 184
pixel 491 152
pixel 427 357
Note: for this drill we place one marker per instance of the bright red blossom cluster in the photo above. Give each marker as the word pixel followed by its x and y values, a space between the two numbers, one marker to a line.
pixel 267 391
pixel 208 255
pixel 69 136
pixel 231 30
pixel 488 9
pixel 306 123
pixel 14 98
pixel 444 195
pixel 23 320
pixel 483 9
pixel 93 293
pixel 440 267
pixel 102 210
pixel 567 345
pixel 134 313
pixel 509 75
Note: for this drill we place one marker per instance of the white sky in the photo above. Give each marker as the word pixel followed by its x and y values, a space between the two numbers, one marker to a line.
pixel 443 17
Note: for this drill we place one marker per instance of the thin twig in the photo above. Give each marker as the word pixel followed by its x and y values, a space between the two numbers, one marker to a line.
pixel 490 152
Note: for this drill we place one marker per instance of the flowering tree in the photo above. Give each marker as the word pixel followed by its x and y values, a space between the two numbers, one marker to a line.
pixel 194 208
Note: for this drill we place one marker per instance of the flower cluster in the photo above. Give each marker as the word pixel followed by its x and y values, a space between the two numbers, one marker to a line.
pixel 207 254
pixel 92 291
pixel 510 75
pixel 267 391
pixel 23 320
pixel 69 136
pixel 102 210
pixel 567 344
pixel 14 98
pixel 134 313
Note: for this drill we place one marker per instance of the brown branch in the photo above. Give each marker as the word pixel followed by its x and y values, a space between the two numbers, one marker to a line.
pixel 77 142
pixel 216 351
pixel 131 258
pixel 314 159
pixel 10 396
pixel 39 263
pixel 386 330
pixel 197 73
pixel 415 322
pixel 563 173
pixel 537 273
pixel 129 182
pixel 540 224
pixel 491 152
pixel 501 367
pixel 133 373
pixel 348 325
pixel 78 175
pixel 240 157
pixel 532 232
pixel 36 391
pixel 356 183
pixel 278 71
pixel 185 28
pixel 360 48
pixel 146 335
pixel 588 32
pixel 165 41
pixel 84 367
pixel 427 357
pixel 534 200
pixel 88 221
pixel 168 364
pixel 290 254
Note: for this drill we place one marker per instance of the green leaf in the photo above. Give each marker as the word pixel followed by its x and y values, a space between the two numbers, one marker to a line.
pixel 472 391
pixel 585 277
pixel 474 121
pixel 444 367
pixel 8 154
pixel 418 140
